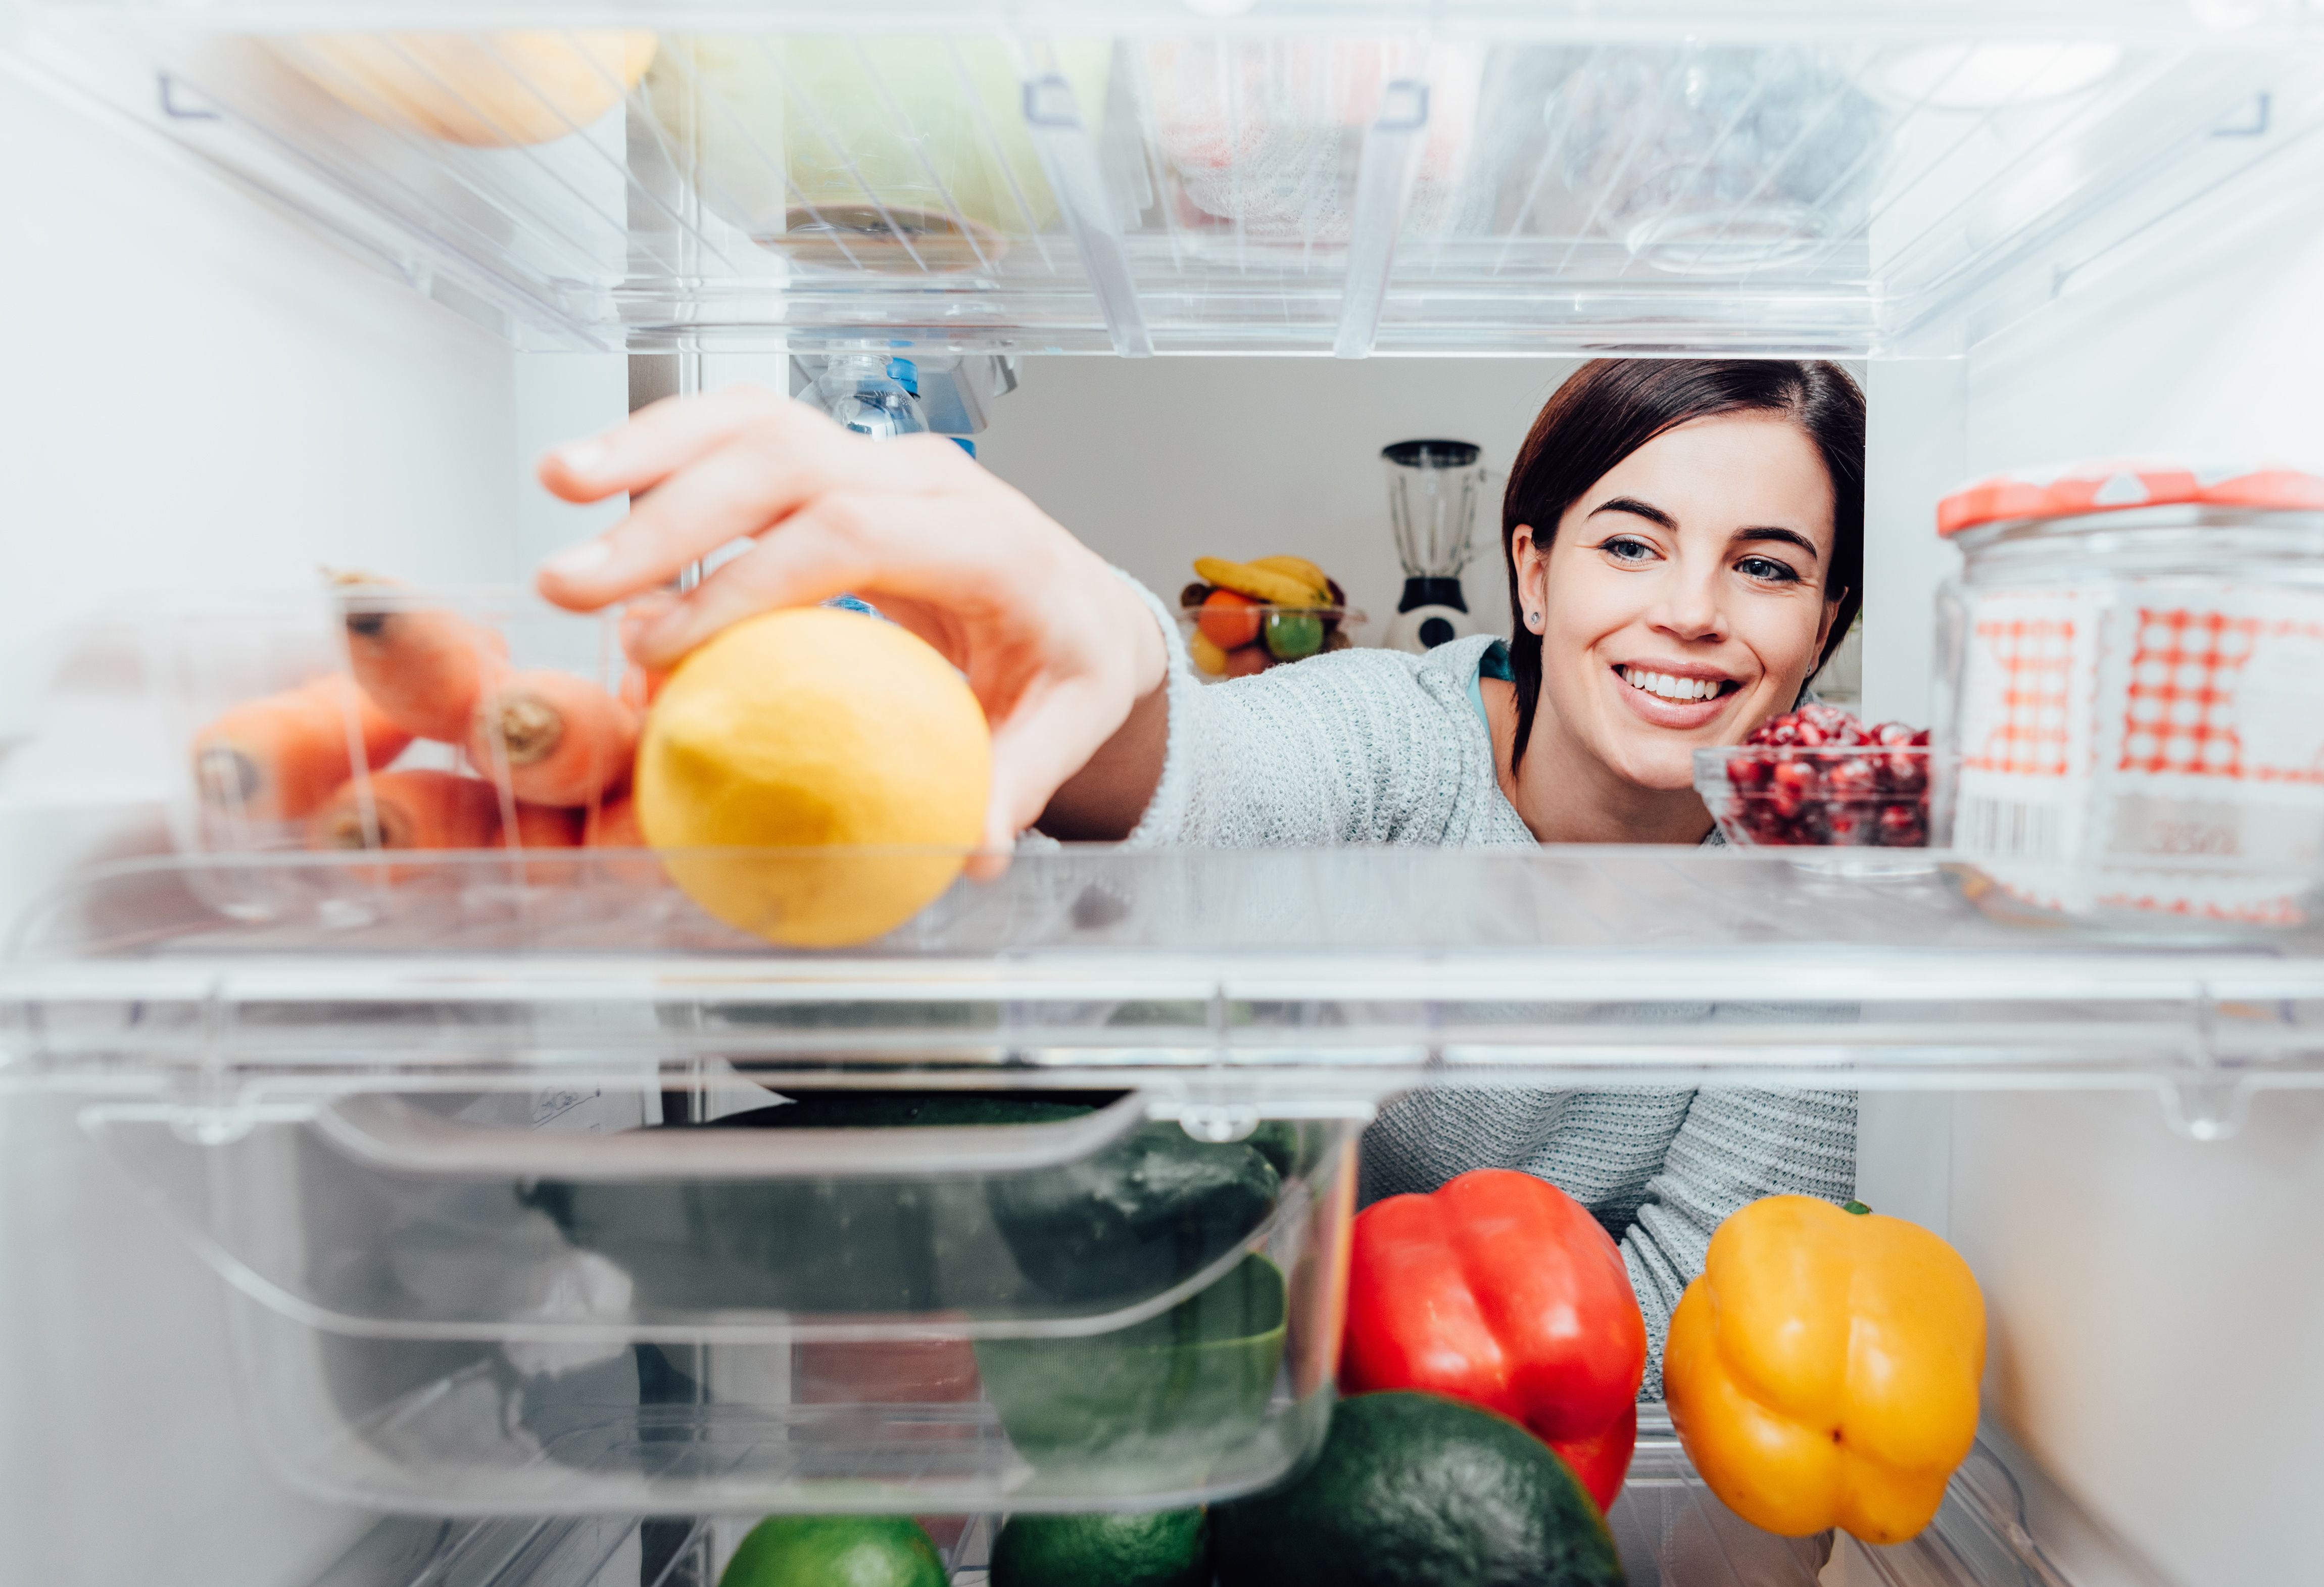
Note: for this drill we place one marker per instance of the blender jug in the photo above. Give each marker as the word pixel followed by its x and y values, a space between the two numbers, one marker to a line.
pixel 1432 489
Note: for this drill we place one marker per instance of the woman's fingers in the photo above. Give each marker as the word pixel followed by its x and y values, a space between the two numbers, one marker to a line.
pixel 814 558
pixel 661 439
pixel 924 549
pixel 1056 725
pixel 743 486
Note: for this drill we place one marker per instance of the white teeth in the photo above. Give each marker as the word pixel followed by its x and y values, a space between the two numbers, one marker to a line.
pixel 1668 687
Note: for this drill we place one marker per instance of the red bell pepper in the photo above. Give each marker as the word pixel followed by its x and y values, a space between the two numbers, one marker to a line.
pixel 1502 1291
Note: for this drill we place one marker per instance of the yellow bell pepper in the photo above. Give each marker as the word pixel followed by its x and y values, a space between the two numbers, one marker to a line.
pixel 1823 1370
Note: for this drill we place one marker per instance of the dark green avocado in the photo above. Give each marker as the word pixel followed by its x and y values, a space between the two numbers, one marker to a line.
pixel 1419 1491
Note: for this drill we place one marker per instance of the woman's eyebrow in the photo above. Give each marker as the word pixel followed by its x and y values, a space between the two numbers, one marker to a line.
pixel 1763 533
pixel 1636 508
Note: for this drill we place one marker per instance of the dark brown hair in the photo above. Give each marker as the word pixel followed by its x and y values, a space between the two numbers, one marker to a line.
pixel 1610 406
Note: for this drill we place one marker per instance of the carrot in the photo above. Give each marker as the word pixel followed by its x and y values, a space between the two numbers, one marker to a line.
pixel 536 828
pixel 412 810
pixel 613 825
pixel 277 759
pixel 425 668
pixel 552 738
pixel 639 687
pixel 545 827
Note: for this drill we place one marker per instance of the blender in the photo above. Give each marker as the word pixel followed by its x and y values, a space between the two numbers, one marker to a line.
pixel 1433 487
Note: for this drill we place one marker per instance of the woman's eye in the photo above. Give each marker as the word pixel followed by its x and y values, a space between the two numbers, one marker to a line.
pixel 1767 569
pixel 1623 548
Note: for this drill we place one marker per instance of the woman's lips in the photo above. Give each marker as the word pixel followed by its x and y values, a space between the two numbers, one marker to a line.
pixel 1653 708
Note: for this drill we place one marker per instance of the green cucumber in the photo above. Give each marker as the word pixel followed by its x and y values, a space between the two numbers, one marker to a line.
pixel 1146 1212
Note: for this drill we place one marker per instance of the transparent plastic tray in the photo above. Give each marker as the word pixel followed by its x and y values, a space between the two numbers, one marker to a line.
pixel 1215 981
pixel 1671 1532
pixel 1324 178
pixel 290 716
pixel 575 1301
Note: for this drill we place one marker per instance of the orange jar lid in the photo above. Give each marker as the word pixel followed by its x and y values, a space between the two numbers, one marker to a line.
pixel 2071 490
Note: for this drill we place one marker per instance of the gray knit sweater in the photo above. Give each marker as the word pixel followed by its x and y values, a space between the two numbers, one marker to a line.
pixel 1381 747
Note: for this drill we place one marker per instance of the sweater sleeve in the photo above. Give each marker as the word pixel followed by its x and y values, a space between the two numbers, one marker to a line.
pixel 1347 747
pixel 1736 1145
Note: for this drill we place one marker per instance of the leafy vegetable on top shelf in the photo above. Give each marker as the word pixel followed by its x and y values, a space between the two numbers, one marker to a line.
pixel 482 90
pixel 1823 1370
pixel 1501 1290
pixel 1419 1491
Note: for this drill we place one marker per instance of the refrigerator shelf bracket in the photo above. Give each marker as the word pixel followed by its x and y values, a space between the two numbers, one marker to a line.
pixel 1070 159
pixel 1384 178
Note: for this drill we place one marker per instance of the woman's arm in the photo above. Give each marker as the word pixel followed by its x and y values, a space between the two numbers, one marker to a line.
pixel 1063 652
pixel 1737 1144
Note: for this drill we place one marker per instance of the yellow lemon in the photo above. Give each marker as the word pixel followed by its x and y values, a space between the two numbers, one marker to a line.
pixel 482 89
pixel 836 737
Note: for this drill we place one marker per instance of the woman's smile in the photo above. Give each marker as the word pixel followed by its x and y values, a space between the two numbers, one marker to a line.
pixel 1681 694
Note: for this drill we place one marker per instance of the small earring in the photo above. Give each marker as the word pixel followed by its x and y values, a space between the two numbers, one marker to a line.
pixel 1532 620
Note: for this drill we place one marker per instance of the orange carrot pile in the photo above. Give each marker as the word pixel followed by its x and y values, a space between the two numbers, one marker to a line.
pixel 550 754
pixel 545 827
pixel 277 759
pixel 426 669
pixel 552 738
pixel 410 810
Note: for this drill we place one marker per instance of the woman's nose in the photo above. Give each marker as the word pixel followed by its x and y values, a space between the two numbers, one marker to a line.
pixel 1689 609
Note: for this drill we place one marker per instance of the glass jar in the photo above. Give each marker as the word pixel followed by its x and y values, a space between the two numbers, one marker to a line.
pixel 2131 694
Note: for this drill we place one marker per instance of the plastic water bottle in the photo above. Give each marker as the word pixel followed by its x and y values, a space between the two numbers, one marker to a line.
pixel 872 394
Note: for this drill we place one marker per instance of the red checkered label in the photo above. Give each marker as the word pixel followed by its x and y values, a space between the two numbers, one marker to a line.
pixel 2191 709
pixel 2021 720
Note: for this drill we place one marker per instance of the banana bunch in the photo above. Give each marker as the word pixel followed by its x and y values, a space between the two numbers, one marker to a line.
pixel 1248 616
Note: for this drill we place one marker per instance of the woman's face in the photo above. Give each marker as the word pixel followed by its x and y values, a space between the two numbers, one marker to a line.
pixel 1682 600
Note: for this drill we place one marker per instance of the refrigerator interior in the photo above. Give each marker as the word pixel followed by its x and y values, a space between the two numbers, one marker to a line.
pixel 2121 266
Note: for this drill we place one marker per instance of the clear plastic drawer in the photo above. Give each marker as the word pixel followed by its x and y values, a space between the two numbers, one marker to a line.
pixel 925 1301
pixel 1670 1529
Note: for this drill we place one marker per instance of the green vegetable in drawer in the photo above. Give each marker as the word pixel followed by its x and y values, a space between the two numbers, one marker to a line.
pixel 1151 1548
pixel 1148 1211
pixel 1160 1399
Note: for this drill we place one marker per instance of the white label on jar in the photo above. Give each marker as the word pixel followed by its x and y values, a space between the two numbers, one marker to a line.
pixel 2165 735
pixel 2026 722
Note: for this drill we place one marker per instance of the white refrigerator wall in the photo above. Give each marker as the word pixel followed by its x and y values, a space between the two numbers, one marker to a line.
pixel 195 393
pixel 2155 1298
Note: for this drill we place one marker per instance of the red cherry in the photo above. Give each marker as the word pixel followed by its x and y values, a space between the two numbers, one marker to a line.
pixel 1854 778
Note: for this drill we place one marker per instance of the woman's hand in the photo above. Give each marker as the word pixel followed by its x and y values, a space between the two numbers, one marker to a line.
pixel 1056 646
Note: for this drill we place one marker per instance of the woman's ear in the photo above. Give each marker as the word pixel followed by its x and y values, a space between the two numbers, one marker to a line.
pixel 1531 562
pixel 1823 624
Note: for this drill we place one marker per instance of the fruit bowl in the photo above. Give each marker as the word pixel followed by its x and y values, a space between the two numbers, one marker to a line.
pixel 1873 795
pixel 1266 636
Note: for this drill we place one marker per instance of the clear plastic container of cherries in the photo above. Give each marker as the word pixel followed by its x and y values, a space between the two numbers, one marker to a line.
pixel 1819 777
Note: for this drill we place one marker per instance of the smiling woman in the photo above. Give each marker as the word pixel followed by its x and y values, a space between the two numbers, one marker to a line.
pixel 1683 542
pixel 1701 558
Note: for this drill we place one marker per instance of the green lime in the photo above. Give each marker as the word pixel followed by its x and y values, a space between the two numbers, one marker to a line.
pixel 835 1551
pixel 1291 635
pixel 1160 1548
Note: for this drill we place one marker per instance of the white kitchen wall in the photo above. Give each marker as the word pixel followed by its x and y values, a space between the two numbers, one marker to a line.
pixel 193 394
pixel 1158 461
